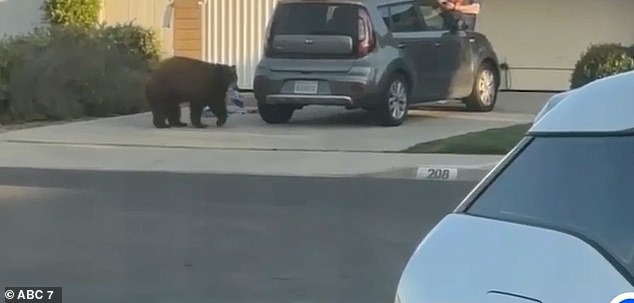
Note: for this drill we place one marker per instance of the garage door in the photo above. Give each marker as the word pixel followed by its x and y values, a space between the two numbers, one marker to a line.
pixel 541 40
pixel 234 31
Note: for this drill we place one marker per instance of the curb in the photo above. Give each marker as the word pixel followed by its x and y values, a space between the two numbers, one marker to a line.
pixel 444 173
pixel 464 175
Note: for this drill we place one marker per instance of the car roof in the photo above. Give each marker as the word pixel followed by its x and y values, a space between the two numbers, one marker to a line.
pixel 603 106
pixel 364 2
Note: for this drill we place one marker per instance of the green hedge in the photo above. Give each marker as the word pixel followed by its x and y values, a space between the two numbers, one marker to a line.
pixel 135 39
pixel 600 61
pixel 12 50
pixel 83 13
pixel 66 72
pixel 75 66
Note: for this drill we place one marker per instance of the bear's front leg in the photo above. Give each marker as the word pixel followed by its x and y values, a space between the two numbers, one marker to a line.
pixel 218 106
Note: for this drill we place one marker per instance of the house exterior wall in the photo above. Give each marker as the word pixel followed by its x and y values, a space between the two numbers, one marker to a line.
pixel 188 26
pixel 19 16
pixel 541 40
pixel 147 13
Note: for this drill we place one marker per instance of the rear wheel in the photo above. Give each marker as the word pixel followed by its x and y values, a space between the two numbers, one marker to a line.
pixel 275 114
pixel 393 106
pixel 484 92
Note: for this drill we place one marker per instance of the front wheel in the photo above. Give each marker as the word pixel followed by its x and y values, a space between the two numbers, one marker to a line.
pixel 275 114
pixel 484 92
pixel 393 105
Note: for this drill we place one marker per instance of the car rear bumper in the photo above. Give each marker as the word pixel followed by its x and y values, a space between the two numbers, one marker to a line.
pixel 354 89
pixel 299 99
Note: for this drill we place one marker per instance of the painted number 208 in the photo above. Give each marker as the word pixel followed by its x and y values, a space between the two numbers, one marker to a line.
pixel 438 173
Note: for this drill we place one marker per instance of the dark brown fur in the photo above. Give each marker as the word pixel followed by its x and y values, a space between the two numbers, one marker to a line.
pixel 179 80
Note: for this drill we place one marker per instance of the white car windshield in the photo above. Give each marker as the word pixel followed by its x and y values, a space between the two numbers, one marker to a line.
pixel 589 193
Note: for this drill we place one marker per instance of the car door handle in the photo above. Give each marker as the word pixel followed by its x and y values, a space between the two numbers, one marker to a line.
pixel 402 45
pixel 437 44
pixel 472 40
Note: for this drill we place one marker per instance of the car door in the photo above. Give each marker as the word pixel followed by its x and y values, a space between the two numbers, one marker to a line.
pixel 417 49
pixel 455 60
pixel 452 52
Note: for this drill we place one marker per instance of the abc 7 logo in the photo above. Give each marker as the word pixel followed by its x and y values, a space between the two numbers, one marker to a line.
pixel 627 297
pixel 9 294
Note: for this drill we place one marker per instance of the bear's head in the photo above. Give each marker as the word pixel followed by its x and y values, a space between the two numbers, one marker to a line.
pixel 229 76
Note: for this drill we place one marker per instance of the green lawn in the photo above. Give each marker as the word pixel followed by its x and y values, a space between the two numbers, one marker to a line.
pixel 493 141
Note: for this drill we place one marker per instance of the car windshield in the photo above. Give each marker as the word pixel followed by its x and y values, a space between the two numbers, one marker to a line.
pixel 325 19
pixel 581 185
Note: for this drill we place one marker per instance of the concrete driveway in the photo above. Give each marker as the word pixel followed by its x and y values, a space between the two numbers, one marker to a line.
pixel 318 142
pixel 312 129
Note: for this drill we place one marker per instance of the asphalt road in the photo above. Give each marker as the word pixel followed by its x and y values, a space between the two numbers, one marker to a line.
pixel 159 237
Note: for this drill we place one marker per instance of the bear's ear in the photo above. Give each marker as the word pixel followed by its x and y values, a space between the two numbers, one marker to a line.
pixel 233 69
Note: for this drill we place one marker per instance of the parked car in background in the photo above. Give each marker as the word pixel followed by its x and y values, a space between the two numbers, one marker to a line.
pixel 379 55
pixel 552 222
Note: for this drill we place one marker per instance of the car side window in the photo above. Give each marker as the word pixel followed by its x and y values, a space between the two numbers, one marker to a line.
pixel 433 16
pixel 579 185
pixel 405 18
pixel 385 15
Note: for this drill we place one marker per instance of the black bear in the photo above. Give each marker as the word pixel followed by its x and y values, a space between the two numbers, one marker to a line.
pixel 178 80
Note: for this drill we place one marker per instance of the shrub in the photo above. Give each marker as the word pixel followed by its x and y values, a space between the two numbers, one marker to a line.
pixel 77 72
pixel 599 61
pixel 11 53
pixel 83 13
pixel 135 39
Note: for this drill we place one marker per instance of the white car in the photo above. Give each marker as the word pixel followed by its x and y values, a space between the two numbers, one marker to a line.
pixel 553 222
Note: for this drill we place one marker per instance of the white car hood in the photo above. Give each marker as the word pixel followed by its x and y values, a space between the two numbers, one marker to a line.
pixel 469 259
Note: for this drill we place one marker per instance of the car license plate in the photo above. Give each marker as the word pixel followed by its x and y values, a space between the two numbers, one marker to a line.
pixel 305 87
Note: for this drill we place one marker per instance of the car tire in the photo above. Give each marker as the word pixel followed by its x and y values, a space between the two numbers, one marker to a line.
pixel 275 114
pixel 485 90
pixel 393 103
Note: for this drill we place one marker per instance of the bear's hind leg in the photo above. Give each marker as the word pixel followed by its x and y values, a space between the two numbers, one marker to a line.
pixel 158 117
pixel 174 115
pixel 195 113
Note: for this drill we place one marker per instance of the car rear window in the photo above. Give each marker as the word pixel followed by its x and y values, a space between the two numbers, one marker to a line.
pixel 580 185
pixel 315 19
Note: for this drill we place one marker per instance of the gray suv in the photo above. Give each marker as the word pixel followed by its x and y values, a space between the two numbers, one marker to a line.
pixel 378 55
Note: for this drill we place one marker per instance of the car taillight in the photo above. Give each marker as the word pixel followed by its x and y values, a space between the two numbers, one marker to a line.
pixel 366 41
